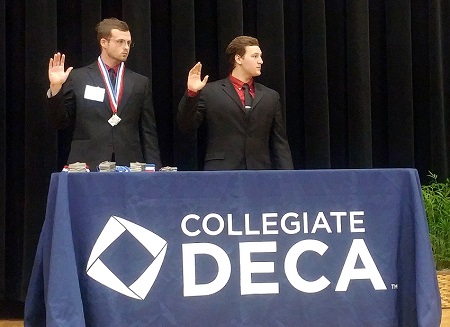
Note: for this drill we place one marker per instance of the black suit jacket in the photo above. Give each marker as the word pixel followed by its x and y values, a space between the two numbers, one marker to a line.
pixel 236 140
pixel 94 139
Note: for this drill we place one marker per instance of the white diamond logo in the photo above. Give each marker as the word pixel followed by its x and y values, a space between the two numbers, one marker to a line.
pixel 154 244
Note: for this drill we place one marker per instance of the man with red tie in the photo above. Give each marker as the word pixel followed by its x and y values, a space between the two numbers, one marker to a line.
pixel 245 127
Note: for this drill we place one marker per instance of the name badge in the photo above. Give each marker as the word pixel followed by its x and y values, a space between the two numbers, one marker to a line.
pixel 94 93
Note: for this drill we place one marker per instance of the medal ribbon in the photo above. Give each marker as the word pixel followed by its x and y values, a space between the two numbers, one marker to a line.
pixel 114 93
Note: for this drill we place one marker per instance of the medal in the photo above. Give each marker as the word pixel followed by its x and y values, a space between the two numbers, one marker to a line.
pixel 114 120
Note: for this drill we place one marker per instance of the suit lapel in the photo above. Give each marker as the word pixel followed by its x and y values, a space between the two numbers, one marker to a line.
pixel 259 93
pixel 95 75
pixel 97 79
pixel 229 89
pixel 128 84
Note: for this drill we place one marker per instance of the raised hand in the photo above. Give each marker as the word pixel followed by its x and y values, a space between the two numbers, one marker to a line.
pixel 194 82
pixel 56 74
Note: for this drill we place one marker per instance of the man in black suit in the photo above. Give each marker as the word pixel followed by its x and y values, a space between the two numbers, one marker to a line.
pixel 245 127
pixel 109 106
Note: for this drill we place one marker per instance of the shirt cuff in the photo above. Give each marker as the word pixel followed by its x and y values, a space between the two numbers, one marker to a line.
pixel 191 94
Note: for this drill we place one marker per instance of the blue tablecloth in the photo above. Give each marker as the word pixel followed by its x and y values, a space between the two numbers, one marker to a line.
pixel 239 248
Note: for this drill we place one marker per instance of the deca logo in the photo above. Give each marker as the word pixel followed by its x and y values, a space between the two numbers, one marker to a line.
pixel 154 244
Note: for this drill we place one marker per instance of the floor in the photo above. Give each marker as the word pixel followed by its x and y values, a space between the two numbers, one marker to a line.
pixel 445 318
pixel 19 323
pixel 11 323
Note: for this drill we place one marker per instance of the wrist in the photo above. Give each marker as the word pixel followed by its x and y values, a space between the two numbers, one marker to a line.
pixel 191 93
pixel 55 88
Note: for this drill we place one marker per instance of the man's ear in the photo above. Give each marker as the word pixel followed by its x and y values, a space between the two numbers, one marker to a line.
pixel 103 42
pixel 238 59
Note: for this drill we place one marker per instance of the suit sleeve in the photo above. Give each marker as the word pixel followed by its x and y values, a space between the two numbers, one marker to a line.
pixel 280 152
pixel 147 130
pixel 191 112
pixel 61 107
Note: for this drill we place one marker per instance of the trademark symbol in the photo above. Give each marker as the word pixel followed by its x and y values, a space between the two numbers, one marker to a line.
pixel 394 286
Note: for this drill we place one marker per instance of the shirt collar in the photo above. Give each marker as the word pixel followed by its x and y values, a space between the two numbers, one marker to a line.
pixel 116 68
pixel 237 83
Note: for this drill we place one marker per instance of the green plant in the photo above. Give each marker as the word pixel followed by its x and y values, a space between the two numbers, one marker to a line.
pixel 436 196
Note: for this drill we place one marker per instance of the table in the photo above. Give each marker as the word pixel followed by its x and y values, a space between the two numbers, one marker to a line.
pixel 235 248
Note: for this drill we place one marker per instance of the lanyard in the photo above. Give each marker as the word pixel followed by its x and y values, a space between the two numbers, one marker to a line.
pixel 114 93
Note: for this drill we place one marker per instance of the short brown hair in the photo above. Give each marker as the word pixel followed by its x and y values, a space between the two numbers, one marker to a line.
pixel 106 25
pixel 237 47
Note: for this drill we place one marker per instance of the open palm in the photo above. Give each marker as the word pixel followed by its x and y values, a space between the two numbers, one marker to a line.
pixel 195 83
pixel 56 73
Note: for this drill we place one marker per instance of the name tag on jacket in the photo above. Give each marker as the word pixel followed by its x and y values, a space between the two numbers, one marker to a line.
pixel 94 93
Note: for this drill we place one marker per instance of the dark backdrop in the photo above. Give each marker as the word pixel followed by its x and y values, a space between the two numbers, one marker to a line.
pixel 364 84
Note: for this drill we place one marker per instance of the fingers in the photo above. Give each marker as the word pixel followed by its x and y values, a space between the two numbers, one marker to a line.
pixel 197 69
pixel 205 80
pixel 57 60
